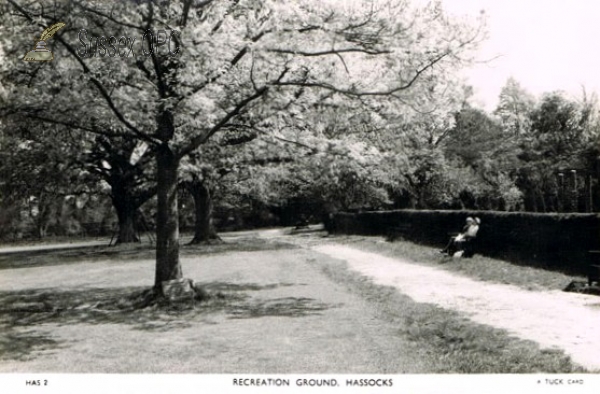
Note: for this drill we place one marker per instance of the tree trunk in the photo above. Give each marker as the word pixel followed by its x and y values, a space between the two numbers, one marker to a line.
pixel 126 213
pixel 41 230
pixel 43 217
pixel 127 230
pixel 168 266
pixel 204 231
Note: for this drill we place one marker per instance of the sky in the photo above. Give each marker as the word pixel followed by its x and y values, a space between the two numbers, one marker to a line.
pixel 546 45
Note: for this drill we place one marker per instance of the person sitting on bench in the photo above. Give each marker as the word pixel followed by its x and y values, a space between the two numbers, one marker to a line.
pixel 458 242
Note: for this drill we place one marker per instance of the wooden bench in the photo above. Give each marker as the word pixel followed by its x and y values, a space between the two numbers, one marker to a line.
pixel 468 246
pixel 301 224
pixel 594 268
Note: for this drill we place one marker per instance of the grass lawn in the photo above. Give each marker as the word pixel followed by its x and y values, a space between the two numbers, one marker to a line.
pixel 274 308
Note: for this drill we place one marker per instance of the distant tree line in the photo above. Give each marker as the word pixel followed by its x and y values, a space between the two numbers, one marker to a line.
pixel 528 155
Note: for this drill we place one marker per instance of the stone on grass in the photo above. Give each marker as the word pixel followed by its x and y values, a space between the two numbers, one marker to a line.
pixel 178 289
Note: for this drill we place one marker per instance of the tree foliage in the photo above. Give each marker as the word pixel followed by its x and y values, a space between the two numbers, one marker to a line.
pixel 239 64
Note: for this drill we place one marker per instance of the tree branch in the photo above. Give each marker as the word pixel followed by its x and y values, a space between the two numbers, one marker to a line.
pixel 329 52
pixel 103 92
pixel 186 9
pixel 297 143
pixel 200 139
pixel 162 86
pixel 109 17
pixel 355 93
pixel 77 126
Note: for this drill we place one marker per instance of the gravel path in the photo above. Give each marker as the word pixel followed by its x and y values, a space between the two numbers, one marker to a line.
pixel 567 321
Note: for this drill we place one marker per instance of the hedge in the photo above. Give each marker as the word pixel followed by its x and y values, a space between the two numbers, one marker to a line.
pixel 554 241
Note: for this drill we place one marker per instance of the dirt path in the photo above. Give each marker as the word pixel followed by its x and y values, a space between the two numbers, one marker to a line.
pixel 6 250
pixel 567 321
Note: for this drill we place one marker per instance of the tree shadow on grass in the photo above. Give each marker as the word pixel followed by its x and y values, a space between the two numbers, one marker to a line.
pixel 92 306
pixel 216 287
pixel 22 313
pixel 260 307
pixel 20 346
pixel 285 307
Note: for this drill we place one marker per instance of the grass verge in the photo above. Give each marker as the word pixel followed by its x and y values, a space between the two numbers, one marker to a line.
pixel 478 267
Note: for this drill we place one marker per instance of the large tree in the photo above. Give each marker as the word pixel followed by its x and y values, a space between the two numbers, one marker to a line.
pixel 514 107
pixel 49 162
pixel 562 132
pixel 232 62
pixel 40 171
pixel 127 167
